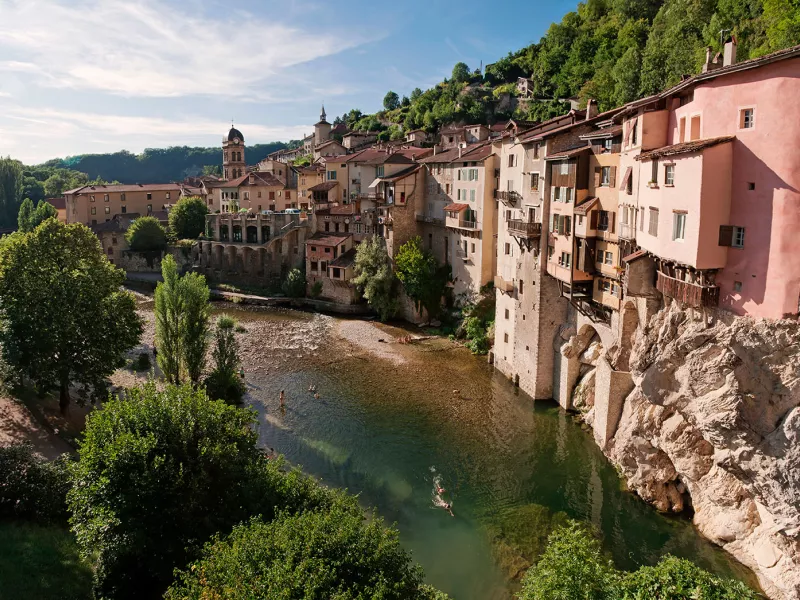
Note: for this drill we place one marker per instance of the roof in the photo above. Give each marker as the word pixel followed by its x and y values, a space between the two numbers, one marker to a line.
pixel 474 152
pixel 540 135
pixel 416 131
pixel 634 256
pixel 571 153
pixel 583 208
pixel 600 134
pixel 259 178
pixel 324 186
pixel 328 238
pixel 58 203
pixel 401 173
pixel 328 143
pixel 344 209
pixel 456 207
pixel 345 260
pixel 361 133
pixel 235 133
pixel 112 226
pixel 684 148
pixel 123 187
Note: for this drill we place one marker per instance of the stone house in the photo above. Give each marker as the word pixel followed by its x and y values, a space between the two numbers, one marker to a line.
pixel 93 204
pixel 329 260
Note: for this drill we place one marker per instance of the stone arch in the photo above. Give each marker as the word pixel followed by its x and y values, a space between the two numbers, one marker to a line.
pixel 252 234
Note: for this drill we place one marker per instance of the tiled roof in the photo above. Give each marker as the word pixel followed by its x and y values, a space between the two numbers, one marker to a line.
pixel 402 173
pixel 538 134
pixel 328 238
pixel 568 153
pixel 456 207
pixel 112 226
pixel 474 154
pixel 345 260
pixel 259 178
pixel 583 208
pixel 634 256
pixel 137 187
pixel 328 143
pixel 684 148
pixel 58 203
pixel 324 186
pixel 604 133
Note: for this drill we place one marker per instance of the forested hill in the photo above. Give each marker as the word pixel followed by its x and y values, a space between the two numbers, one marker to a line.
pixel 612 50
pixel 156 165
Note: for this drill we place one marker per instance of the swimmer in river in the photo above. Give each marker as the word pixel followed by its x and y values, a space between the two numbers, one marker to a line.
pixel 448 508
pixel 316 396
pixel 283 399
pixel 440 490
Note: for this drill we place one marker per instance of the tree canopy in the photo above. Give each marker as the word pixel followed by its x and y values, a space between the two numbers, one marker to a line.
pixel 187 219
pixel 146 234
pixel 65 319
pixel 391 101
pixel 423 278
pixel 30 218
pixel 374 277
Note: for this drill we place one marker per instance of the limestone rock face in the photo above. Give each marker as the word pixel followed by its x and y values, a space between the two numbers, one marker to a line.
pixel 714 419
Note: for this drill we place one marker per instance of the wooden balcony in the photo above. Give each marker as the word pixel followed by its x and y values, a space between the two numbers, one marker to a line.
pixel 627 231
pixel 691 294
pixel 523 229
pixel 509 198
pixel 458 223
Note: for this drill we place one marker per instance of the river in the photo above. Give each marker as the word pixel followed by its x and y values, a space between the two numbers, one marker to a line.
pixel 392 418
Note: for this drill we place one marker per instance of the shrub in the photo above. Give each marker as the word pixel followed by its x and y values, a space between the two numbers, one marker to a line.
pixel 187 219
pixel 224 382
pixel 32 487
pixel 146 234
pixel 228 387
pixel 294 286
pixel 142 362
pixel 314 555
pixel 316 290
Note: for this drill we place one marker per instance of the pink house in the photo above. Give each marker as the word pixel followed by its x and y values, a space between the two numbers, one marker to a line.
pixel 718 206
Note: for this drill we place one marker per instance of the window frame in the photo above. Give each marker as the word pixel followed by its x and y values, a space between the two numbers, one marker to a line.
pixel 669 174
pixel 743 118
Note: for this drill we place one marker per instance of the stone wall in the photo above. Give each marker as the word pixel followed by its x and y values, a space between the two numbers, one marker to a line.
pixel 150 262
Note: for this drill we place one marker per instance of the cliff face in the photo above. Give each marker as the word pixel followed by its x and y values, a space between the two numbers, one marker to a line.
pixel 714 420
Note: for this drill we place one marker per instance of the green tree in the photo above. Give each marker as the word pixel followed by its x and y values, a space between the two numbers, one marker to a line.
pixel 162 470
pixel 423 278
pixel 415 94
pixel 169 321
pixel 11 179
pixel 187 219
pixel 313 555
pixel 195 330
pixel 294 286
pixel 374 277
pixel 460 72
pixel 79 339
pixel 391 100
pixel 146 234
pixel 626 76
pixel 25 213
pixel 214 170
pixel 224 382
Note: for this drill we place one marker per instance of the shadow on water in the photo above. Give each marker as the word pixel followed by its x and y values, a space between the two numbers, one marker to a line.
pixel 511 468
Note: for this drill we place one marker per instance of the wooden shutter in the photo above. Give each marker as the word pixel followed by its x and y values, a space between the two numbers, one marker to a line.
pixel 593 219
pixel 597 177
pixel 726 235
pixel 568 225
pixel 611 218
pixel 612 179
pixel 628 132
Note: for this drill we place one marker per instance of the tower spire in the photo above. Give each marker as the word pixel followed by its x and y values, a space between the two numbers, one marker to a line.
pixel 322 114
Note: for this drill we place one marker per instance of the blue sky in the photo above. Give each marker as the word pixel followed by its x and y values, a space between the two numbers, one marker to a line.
pixel 80 76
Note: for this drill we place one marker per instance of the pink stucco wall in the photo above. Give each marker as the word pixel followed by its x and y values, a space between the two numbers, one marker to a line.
pixel 768 156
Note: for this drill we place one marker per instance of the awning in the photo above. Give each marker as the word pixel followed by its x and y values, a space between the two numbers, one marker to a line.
pixel 375 183
pixel 624 184
pixel 456 207
pixel 582 209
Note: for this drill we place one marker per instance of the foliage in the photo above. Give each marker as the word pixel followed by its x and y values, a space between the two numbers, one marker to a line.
pixel 159 473
pixel 477 338
pixel 65 318
pixel 146 234
pixel 294 286
pixel 11 180
pixel 41 562
pixel 224 382
pixel 423 278
pixel 391 101
pixel 460 72
pixel 142 362
pixel 24 216
pixel 187 219
pixel 182 323
pixel 313 555
pixel 316 290
pixel 30 218
pixel 479 321
pixel 32 487
pixel 573 566
pixel 374 277
pixel 303 161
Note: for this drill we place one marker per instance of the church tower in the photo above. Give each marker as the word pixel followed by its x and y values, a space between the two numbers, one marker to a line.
pixel 233 163
pixel 322 130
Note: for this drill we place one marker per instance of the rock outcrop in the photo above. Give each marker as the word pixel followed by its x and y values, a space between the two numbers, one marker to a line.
pixel 713 422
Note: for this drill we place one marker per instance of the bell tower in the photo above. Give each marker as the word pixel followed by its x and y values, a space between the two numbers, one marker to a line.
pixel 233 162
pixel 322 130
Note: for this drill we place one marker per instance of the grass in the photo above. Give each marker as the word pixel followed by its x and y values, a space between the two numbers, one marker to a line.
pixel 41 562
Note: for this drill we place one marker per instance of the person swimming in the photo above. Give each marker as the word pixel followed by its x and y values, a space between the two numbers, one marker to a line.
pixel 440 490
pixel 448 508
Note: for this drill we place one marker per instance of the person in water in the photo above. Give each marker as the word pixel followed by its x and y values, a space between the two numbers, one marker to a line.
pixel 448 508
pixel 283 399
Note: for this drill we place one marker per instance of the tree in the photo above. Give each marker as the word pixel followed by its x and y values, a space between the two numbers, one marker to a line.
pixel 187 219
pixel 374 277
pixel 25 213
pixel 294 286
pixel 214 170
pixel 65 319
pixel 195 330
pixel 460 73
pixel 415 94
pixel 626 76
pixel 162 470
pixel 11 179
pixel 224 382
pixel 422 277
pixel 30 218
pixel 405 101
pixel 146 234
pixel 391 101
pixel 313 555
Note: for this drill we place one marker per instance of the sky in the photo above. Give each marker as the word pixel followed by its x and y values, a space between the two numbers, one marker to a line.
pixel 94 76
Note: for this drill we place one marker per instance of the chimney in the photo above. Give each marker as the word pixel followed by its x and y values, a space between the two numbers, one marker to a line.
pixel 459 151
pixel 591 109
pixel 435 149
pixel 729 53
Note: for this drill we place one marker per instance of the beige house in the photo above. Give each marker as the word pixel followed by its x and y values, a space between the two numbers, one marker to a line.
pixel 93 204
pixel 61 208
pixel 329 260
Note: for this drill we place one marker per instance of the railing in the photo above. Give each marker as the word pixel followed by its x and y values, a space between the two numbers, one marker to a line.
pixel 457 223
pixel 509 197
pixel 627 231
pixel 427 219
pixel 371 196
pixel 524 229
pixel 691 294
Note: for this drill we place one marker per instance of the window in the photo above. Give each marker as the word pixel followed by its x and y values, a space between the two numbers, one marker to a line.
pixel 609 258
pixel 336 272
pixel 114 240
pixel 167 196
pixel 247 195
pixel 508 249
pixel 634 133
pixel 511 159
pixel 695 133
pixel 566 194
pixel 91 198
pixel 122 197
pixel 738 237
pixel 565 260
pixel 472 195
pixel 607 145
pixel 259 193
pixel 379 171
pixel 108 210
pixel 105 197
pixel 124 209
pixel 506 313
pixel 564 168
pixel 669 175
pixel 327 250
pixel 605 176
pixel 535 181
pixel 751 185
pixel 473 247
pixel 602 220
pixel 288 194
pixel 331 175
pixel 510 185
pixel 678 226
pixel 737 286
pixel 747 118
pixel 521 286
pixel 314 266
pixel 94 210
pixel 652 228
pixel 654 174
pixel 149 196
pixel 505 338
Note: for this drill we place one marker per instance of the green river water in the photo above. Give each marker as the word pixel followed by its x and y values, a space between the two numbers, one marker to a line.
pixel 512 467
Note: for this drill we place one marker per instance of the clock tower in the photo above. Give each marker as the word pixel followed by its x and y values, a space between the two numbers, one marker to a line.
pixel 233 163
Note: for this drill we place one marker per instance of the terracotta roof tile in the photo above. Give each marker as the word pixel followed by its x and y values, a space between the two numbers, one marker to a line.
pixel 684 148
pixel 568 153
pixel 324 186
pixel 328 238
pixel 58 203
pixel 456 206
pixel 345 260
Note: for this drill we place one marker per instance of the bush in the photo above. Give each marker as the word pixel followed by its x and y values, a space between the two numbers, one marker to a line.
pixel 314 555
pixel 224 382
pixel 225 386
pixel 187 219
pixel 32 487
pixel 316 290
pixel 146 234
pixel 142 362
pixel 294 286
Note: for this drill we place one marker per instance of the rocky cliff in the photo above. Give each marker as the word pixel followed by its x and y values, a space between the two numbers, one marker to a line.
pixel 713 424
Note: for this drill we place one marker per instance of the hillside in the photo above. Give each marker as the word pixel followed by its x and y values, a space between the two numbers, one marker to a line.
pixel 156 165
pixel 614 51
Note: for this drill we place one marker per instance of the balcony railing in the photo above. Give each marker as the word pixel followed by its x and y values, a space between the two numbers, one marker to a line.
pixel 459 224
pixel 523 229
pixel 691 294
pixel 627 231
pixel 507 197
pixel 427 219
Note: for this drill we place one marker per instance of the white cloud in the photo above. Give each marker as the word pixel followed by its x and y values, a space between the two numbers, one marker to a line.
pixel 49 133
pixel 150 48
